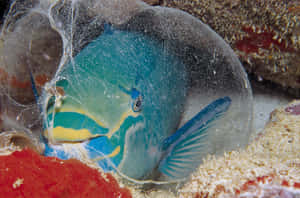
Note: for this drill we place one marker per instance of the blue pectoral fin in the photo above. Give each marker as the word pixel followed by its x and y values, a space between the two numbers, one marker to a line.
pixel 185 149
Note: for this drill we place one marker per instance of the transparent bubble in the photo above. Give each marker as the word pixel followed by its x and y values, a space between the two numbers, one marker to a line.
pixel 110 82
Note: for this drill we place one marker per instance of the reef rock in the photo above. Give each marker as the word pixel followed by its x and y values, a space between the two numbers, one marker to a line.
pixel 269 166
pixel 265 34
pixel 28 47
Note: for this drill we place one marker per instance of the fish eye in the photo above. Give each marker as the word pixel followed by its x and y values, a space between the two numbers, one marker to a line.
pixel 137 104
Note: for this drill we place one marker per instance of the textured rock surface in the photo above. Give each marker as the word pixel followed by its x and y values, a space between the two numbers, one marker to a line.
pixel 269 166
pixel 3 7
pixel 29 45
pixel 265 34
pixel 153 2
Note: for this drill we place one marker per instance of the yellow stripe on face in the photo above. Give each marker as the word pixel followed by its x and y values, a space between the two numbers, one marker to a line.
pixel 70 109
pixel 118 125
pixel 60 134
pixel 85 131
pixel 113 154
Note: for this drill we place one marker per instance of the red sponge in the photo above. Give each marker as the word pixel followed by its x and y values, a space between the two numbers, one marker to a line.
pixel 28 174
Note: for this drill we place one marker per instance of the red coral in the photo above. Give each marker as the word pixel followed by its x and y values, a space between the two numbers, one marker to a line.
pixel 27 174
pixel 266 186
pixel 294 109
pixel 263 40
pixel 285 183
pixel 248 184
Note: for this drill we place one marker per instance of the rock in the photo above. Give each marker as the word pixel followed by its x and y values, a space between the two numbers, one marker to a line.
pixel 293 109
pixel 3 6
pixel 265 34
pixel 152 2
pixel 28 46
pixel 11 141
pixel 269 165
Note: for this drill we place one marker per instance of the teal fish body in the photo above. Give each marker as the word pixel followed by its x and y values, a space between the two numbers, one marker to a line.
pixel 121 99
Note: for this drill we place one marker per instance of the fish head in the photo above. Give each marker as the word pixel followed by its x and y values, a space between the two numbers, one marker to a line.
pixel 100 107
pixel 125 92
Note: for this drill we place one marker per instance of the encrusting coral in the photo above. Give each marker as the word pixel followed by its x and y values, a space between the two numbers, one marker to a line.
pixel 264 33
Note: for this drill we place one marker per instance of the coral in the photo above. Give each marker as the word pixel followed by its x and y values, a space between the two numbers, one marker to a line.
pixel 264 33
pixel 268 167
pixel 268 186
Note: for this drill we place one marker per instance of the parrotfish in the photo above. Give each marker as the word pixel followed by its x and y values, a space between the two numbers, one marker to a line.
pixel 122 99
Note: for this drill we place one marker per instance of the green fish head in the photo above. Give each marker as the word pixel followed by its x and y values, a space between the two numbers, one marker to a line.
pixel 122 95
